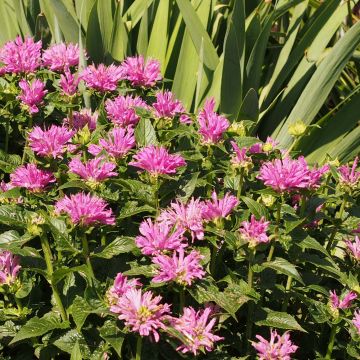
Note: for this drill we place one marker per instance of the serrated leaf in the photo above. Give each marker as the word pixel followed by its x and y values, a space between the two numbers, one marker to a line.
pixel 12 215
pixel 121 245
pixel 67 342
pixel 76 353
pixel 111 334
pixel 145 133
pixel 80 310
pixel 255 208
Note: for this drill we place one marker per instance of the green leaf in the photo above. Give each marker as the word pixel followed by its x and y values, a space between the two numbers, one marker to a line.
pixel 12 215
pixel 119 36
pixel 311 243
pixel 283 266
pixel 112 335
pixel 80 310
pixel 279 320
pixel 67 342
pixel 60 273
pixel 39 326
pixel 76 353
pixel 249 109
pixel 73 184
pixel 131 208
pixel 145 133
pixel 188 189
pixel 121 245
pixel 255 208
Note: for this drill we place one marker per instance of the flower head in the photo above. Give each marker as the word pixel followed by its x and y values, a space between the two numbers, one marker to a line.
pixel 356 321
pixel 118 143
pixel 219 208
pixel 166 106
pixel 120 287
pixel 143 313
pixel 196 327
pixel 122 110
pixel 60 57
pixel 179 268
pixel 31 178
pixel 94 170
pixel 20 56
pixel 82 118
pixel 157 160
pixel 32 94
pixel 354 247
pixel 187 216
pixel 278 348
pixel 156 238
pixel 51 142
pixel 68 83
pixel 212 125
pixel 346 301
pixel 9 267
pixel 239 158
pixel 140 73
pixel 85 209
pixel 349 177
pixel 103 78
pixel 254 231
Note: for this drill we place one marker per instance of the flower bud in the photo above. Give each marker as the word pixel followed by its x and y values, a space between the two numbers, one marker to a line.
pixel 268 200
pixel 297 129
pixel 238 128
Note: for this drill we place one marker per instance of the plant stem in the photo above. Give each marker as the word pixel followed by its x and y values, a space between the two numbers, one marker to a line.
pixel 250 272
pixel 138 348
pixel 249 322
pixel 50 270
pixel 276 231
pixel 241 182
pixel 331 342
pixel 30 123
pixel 86 252
pixel 181 300
pixel 287 294
pixel 338 216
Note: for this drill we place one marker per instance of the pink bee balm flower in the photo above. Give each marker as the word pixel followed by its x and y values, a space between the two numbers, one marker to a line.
pixel 118 143
pixel 122 110
pixel 82 118
pixel 156 238
pixel 31 178
pixel 156 160
pixel 94 170
pixel 315 176
pixel 356 321
pixel 103 78
pixel 166 106
pixel 349 176
pixel 187 216
pixel 345 303
pixel 354 248
pixel 179 268
pixel 278 348
pixel 143 313
pixel 240 158
pixel 20 56
pixel 85 209
pixel 50 143
pixel 219 208
pixel 212 125
pixel 60 57
pixel 197 330
pixel 140 73
pixel 9 267
pixel 285 175
pixel 32 94
pixel 68 83
pixel 254 231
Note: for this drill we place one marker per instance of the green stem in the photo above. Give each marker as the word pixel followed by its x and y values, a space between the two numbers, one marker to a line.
pixel 138 348
pixel 287 294
pixel 336 228
pixel 30 123
pixel 181 300
pixel 50 270
pixel 241 182
pixel 86 254
pixel 71 118
pixel 18 303
pixel 250 271
pixel 331 342
pixel 276 231
pixel 302 206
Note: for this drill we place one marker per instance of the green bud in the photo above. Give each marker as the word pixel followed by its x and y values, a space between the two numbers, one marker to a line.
pixel 298 128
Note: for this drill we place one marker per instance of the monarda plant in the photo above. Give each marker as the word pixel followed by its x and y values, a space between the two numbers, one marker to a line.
pixel 131 229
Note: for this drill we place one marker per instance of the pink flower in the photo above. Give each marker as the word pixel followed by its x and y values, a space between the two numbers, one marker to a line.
pixel 279 347
pixel 31 178
pixel 68 83
pixel 179 268
pixel 354 247
pixel 156 160
pixel 254 231
pixel 212 125
pixel 85 209
pixel 315 176
pixel 94 170
pixel 166 106
pixel 60 57
pixel 118 143
pixel 156 238
pixel 187 216
pixel 349 176
pixel 82 118
pixel 140 73
pixel 345 303
pixel 5 186
pixel 32 94
pixel 197 330
pixel 239 157
pixel 256 148
pixel 122 110
pixel 285 175
pixel 143 313
pixel 50 143
pixel 103 78
pixel 21 56
pixel 219 208
pixel 356 321
pixel 9 267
